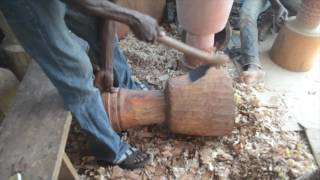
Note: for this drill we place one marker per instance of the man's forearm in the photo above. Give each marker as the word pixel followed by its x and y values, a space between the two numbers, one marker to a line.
pixel 144 27
pixel 104 9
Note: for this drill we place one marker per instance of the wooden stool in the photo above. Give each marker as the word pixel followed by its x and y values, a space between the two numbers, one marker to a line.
pixel 34 133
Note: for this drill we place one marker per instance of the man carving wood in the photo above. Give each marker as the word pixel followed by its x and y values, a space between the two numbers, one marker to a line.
pixel 42 27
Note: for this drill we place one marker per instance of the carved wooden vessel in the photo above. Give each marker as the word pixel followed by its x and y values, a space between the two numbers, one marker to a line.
pixel 204 107
pixel 297 47
pixel 202 20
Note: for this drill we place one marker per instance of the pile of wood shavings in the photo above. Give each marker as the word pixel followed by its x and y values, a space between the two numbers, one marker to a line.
pixel 153 63
pixel 256 148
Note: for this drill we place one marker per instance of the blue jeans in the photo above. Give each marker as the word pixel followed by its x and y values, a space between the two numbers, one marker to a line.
pixel 249 14
pixel 42 29
pixel 86 27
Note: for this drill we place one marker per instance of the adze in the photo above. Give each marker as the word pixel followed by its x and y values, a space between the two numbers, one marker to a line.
pixel 210 60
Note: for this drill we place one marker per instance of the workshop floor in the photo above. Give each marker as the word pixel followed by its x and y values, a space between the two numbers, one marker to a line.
pixel 300 90
pixel 257 148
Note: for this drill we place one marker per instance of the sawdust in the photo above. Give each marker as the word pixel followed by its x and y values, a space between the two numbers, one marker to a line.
pixel 256 148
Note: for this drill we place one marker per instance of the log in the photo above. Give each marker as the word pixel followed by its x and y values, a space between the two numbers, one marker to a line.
pixel 205 107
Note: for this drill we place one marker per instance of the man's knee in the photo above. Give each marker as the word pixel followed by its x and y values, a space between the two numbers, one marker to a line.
pixel 85 69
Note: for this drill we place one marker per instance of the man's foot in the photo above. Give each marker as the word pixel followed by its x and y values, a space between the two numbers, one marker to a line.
pixel 252 74
pixel 134 159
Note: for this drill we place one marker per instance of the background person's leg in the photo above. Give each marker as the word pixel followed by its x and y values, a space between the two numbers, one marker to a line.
pixel 249 61
pixel 87 28
pixel 249 14
pixel 40 28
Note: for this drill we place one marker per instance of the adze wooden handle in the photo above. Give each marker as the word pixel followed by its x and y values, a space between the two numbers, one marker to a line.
pixel 215 59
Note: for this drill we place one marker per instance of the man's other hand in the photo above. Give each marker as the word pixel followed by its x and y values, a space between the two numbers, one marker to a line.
pixel 145 28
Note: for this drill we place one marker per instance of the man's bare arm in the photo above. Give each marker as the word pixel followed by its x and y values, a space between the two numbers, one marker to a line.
pixel 143 26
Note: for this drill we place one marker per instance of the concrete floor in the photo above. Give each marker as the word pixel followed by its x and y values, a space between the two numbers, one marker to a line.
pixel 300 91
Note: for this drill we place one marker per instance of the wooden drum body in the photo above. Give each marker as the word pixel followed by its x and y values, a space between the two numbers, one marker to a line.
pixel 205 107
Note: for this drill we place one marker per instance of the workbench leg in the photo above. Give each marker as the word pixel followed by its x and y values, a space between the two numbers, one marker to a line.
pixel 67 171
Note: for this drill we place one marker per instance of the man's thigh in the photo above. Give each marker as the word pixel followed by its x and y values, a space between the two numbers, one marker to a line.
pixel 41 29
pixel 252 8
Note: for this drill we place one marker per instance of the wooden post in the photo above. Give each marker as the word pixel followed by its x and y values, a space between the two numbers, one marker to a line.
pixel 104 75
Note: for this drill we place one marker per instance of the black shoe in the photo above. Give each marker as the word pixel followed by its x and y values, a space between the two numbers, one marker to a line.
pixel 135 159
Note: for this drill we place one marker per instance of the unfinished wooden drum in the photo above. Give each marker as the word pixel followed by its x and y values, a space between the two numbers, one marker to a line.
pixel 205 107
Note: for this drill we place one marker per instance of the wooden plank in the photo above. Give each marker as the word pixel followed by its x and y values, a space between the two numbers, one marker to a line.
pixel 67 171
pixel 313 136
pixel 34 133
